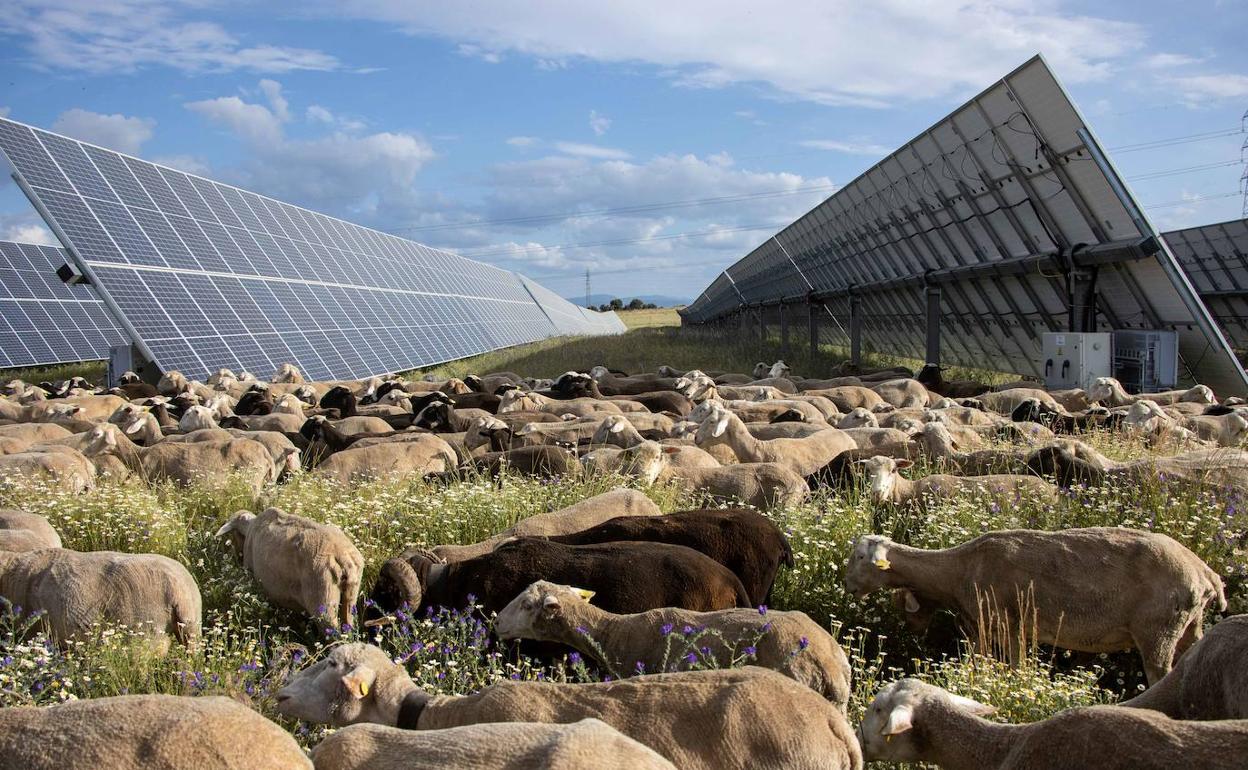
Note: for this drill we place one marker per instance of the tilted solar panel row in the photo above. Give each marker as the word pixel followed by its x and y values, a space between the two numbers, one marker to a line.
pixel 44 321
pixel 206 275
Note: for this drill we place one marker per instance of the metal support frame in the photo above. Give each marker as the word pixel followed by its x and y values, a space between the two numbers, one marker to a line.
pixel 784 329
pixel 812 319
pixel 855 330
pixel 932 293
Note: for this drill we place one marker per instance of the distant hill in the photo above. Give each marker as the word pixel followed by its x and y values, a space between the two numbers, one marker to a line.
pixel 662 300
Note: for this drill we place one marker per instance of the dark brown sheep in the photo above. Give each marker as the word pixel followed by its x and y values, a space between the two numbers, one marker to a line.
pixel 625 577
pixel 931 378
pixel 742 540
pixel 543 460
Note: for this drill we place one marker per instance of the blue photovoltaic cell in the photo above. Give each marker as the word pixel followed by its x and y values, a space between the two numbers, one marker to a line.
pixel 210 276
pixel 44 321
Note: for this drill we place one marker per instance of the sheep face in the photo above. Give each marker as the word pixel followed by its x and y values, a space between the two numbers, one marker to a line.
pixel 535 613
pixel 288 404
pixel 197 418
pixel 306 394
pixel 891 730
pixel 220 375
pixel 646 461
pixel 882 474
pixel 937 440
pixel 287 373
pixel 609 427
pixel 1102 388
pixel 474 383
pixel 858 417
pixel 599 373
pixel 235 530
pixel 779 369
pixel 128 378
pixel 482 431
pixel 714 428
pixel 340 690
pixel 1201 394
pixel 868 565
pixel 172 383
pixel 760 370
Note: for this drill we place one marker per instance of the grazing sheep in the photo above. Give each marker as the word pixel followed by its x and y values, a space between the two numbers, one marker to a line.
pixel 197 418
pixel 543 460
pixel 712 720
pixel 492 746
pixel 744 541
pixel 144 592
pixel 1226 430
pixel 519 401
pixel 576 517
pixel 910 721
pixel 1210 681
pixel 1110 392
pixel 616 430
pixel 803 456
pixel 188 461
pixel 1100 589
pixel 35 432
pixel 172 383
pixel 1004 402
pixel 22 531
pixel 849 397
pixel 858 417
pixel 282 450
pixel 760 485
pixel 903 393
pixel 423 454
pixel 289 374
pixel 66 468
pixel 889 486
pixel 139 424
pixel 153 732
pixel 301 564
pixel 628 577
pixel 788 642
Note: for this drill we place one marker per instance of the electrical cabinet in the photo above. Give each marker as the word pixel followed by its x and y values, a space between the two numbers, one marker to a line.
pixel 1075 360
pixel 1146 361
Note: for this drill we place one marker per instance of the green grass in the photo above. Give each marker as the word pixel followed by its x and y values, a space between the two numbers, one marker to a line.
pixel 94 371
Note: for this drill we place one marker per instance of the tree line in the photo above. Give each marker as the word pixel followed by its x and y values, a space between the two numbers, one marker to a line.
pixel 618 304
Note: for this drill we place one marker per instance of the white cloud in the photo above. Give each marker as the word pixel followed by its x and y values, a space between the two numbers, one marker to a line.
pixel 253 122
pixel 1199 89
pixel 522 141
pixel 26 227
pixel 4 112
pixel 118 132
pixel 590 151
pixel 850 148
pixel 121 36
pixel 598 123
pixel 188 163
pixel 477 52
pixel 835 53
pixel 273 92
pixel 340 172
pixel 1169 60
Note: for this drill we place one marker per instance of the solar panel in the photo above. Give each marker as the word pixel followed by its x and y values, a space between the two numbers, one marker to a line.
pixel 206 275
pixel 569 318
pixel 1011 214
pixel 44 321
pixel 1215 258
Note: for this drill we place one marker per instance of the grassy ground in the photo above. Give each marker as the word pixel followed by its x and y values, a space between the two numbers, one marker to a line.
pixel 249 645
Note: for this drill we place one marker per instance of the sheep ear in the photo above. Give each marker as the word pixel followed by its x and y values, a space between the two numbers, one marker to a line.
pixel 585 593
pixel 671 450
pixel 912 604
pixel 973 706
pixel 900 719
pixel 617 426
pixel 720 427
pixel 904 464
pixel 135 427
pixel 359 681
pixel 227 527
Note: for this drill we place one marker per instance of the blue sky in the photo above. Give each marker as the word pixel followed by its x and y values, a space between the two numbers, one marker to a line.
pixel 438 120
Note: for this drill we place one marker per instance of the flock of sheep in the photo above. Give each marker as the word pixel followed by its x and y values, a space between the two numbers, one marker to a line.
pixel 613 579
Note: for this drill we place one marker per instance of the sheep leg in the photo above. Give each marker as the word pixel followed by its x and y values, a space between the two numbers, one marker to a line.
pixel 349 594
pixel 1158 652
pixel 1191 634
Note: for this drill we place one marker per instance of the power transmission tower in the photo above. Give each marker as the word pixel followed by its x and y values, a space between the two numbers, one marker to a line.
pixel 587 286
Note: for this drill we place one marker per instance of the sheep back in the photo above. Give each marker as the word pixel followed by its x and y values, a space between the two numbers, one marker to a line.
pixel 154 732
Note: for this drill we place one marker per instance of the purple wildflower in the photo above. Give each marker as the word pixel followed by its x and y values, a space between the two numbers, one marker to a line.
pixel 666 629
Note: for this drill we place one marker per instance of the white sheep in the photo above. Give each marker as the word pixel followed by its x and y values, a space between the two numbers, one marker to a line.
pixel 761 485
pixel 788 642
pixel 685 717
pixel 22 531
pixel 197 418
pixel 492 746
pixel 1109 391
pixel 1210 681
pixel 188 461
pixel 424 454
pixel 145 592
pixel 803 456
pixel 153 732
pixel 910 721
pixel 888 486
pixel 1099 589
pixel 301 564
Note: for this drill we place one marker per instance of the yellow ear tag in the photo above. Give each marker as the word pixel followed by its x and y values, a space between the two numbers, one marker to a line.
pixel 585 593
pixel 883 563
pixel 363 688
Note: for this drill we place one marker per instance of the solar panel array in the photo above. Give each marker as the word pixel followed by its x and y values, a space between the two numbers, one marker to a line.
pixel 206 275
pixel 1215 258
pixel 1002 205
pixel 44 321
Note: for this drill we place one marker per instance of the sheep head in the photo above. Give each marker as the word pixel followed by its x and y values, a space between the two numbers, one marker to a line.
pixel 1200 394
pixel 714 427
pixel 401 581
pixel 475 384
pixel 354 683
pixel 287 373
pixel 1103 388
pixel 289 404
pixel 535 613
pixel 760 370
pixel 779 369
pixel 892 728
pixel 937 441
pixel 882 474
pixel 858 417
pixel 599 373
pixel 611 426
pixel 646 461
pixel 197 418
pixel 172 383
pixel 869 568
pixel 235 530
